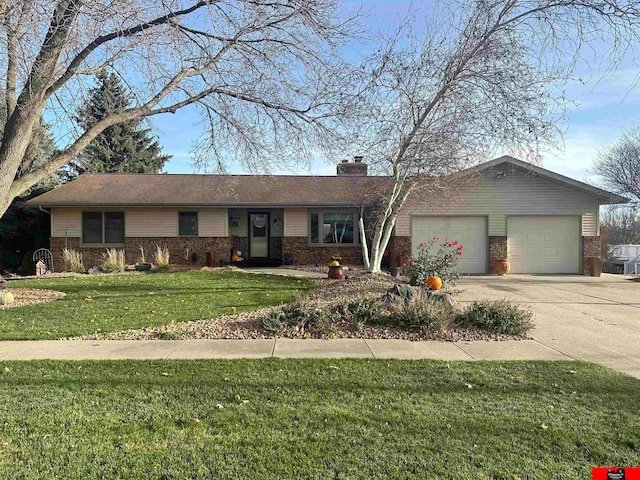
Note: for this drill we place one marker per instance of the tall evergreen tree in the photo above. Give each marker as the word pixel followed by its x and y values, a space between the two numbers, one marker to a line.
pixel 123 148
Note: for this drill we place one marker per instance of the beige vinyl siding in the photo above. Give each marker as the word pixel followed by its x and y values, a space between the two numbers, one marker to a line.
pixel 213 223
pixel 517 193
pixel 143 222
pixel 295 222
pixel 590 227
pixel 151 222
pixel 66 222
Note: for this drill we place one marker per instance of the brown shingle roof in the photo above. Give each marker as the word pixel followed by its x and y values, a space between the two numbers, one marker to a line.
pixel 227 190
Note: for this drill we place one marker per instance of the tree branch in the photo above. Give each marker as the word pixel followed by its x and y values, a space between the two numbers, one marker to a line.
pixel 128 32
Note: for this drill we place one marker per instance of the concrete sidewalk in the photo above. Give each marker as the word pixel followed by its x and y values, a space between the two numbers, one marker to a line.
pixel 281 347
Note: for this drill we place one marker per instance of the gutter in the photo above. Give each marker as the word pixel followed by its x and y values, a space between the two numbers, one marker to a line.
pixel 48 212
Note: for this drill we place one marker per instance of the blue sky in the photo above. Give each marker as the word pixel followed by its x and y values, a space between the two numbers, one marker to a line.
pixel 605 107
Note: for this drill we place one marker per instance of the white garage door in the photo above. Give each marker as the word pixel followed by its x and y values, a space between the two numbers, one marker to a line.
pixel 543 244
pixel 470 232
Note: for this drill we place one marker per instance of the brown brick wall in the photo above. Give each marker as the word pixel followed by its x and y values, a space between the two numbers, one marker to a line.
pixel 495 244
pixel 303 254
pixel 400 247
pixel 180 249
pixel 591 256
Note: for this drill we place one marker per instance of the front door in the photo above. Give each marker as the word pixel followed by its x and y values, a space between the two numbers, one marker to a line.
pixel 259 235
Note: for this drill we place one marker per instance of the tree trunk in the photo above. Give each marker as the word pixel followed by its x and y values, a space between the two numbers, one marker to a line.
pixel 363 242
pixel 373 261
pixel 4 205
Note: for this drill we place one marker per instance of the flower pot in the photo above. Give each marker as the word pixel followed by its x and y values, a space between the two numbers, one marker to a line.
pixel 142 267
pixel 395 271
pixel 501 266
pixel 336 273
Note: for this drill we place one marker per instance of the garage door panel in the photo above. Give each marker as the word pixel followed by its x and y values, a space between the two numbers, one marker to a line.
pixel 471 232
pixel 543 244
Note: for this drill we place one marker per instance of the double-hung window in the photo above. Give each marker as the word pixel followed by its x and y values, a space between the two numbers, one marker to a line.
pixel 103 227
pixel 188 224
pixel 332 227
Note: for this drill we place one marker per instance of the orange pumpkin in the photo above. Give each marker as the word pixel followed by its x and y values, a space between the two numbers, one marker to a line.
pixel 434 282
pixel 234 258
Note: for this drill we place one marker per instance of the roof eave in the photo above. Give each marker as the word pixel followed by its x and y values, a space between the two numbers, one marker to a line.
pixel 199 205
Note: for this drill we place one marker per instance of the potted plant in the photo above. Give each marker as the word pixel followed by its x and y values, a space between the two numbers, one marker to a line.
pixel 501 264
pixel 141 264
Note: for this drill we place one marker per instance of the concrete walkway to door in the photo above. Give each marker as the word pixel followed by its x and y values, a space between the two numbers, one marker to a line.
pixel 586 318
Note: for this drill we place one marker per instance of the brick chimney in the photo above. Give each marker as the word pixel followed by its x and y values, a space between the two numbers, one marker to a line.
pixel 357 168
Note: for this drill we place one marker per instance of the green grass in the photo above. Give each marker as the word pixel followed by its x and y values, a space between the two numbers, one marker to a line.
pixel 315 419
pixel 118 302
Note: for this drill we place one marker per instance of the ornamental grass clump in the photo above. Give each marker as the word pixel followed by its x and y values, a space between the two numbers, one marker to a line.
pixel 436 258
pixel 6 297
pixel 162 258
pixel 497 316
pixel 421 312
pixel 72 261
pixel 113 261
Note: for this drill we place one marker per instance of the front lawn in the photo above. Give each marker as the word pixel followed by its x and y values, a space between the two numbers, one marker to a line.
pixel 315 419
pixel 109 303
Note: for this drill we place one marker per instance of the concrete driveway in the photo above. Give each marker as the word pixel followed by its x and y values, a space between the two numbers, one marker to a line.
pixel 593 319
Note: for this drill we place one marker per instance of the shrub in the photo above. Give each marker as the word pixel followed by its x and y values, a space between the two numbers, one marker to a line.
pixel 162 258
pixel 287 258
pixel 421 311
pixel 112 261
pixel 361 313
pixel 436 258
pixel 168 335
pixel 72 261
pixel 498 316
pixel 366 311
pixel 292 315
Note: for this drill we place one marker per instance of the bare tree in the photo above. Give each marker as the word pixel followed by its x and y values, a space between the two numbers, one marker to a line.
pixel 618 166
pixel 264 74
pixel 622 224
pixel 481 76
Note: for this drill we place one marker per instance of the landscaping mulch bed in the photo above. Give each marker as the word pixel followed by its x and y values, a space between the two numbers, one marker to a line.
pixel 27 296
pixel 248 325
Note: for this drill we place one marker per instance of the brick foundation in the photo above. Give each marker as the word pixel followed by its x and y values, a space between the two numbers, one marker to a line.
pixel 496 243
pixel 400 247
pixel 303 254
pixel 180 249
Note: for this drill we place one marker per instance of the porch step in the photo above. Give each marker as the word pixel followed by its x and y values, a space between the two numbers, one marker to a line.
pixel 257 262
